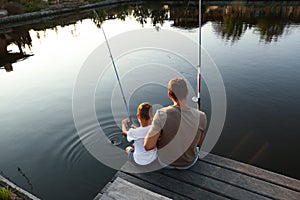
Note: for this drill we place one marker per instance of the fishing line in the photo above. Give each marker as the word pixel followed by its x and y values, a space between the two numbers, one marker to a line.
pixel 116 72
pixel 115 138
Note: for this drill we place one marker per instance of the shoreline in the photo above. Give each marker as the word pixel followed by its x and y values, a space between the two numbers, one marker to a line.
pixel 38 16
pixel 16 190
pixel 21 19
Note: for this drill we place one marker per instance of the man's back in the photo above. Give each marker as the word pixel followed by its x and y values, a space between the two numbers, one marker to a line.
pixel 176 130
pixel 180 130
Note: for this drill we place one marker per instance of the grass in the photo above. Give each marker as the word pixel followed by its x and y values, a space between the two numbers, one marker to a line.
pixel 95 1
pixel 5 193
pixel 33 5
pixel 19 6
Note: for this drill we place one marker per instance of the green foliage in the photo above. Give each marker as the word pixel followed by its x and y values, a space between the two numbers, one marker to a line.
pixel 26 5
pixel 14 8
pixel 94 1
pixel 33 5
pixel 5 193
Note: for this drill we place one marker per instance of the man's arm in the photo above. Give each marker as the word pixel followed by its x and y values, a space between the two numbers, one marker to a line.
pixel 151 140
pixel 203 124
pixel 201 138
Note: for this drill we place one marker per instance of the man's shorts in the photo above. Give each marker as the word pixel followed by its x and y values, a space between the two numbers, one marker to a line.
pixel 180 168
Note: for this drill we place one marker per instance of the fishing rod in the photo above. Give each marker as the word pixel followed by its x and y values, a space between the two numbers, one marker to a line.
pixel 199 60
pixel 197 99
pixel 116 72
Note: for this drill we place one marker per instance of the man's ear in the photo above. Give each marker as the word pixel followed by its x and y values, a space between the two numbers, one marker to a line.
pixel 138 116
pixel 170 95
pixel 151 116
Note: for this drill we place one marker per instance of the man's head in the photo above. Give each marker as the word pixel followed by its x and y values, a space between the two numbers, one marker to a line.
pixel 177 89
pixel 145 111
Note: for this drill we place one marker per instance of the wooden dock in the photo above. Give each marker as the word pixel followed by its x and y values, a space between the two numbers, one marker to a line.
pixel 18 193
pixel 213 177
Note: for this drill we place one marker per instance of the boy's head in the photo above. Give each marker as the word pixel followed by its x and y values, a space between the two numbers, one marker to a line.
pixel 145 111
pixel 177 89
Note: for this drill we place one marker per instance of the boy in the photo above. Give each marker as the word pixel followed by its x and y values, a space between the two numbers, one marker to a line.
pixel 137 154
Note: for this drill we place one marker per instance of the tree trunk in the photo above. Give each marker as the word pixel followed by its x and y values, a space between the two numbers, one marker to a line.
pixel 3 46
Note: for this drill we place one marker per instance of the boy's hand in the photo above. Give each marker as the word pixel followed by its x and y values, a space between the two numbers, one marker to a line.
pixel 133 126
pixel 125 121
pixel 124 128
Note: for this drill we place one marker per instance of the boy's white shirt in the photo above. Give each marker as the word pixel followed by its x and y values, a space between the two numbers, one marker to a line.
pixel 140 155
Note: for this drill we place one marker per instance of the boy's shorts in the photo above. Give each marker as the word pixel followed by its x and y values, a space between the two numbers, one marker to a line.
pixel 130 156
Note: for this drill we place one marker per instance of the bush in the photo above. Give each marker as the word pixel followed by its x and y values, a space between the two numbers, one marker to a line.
pixel 94 1
pixel 5 193
pixel 20 6
pixel 14 8
pixel 33 5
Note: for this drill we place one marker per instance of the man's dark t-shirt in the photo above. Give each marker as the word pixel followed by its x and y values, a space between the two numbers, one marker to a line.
pixel 180 129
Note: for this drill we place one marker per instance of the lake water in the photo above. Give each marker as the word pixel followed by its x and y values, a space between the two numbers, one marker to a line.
pixel 255 47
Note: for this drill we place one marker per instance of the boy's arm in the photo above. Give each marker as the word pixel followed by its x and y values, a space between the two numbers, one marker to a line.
pixel 124 123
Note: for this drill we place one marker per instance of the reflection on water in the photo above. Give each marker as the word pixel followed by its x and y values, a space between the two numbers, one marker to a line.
pixel 157 13
pixel 230 21
pixel 19 37
pixel 270 21
pixel 27 179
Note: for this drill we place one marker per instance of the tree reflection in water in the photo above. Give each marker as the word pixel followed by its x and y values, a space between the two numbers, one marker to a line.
pixel 157 13
pixel 230 21
pixel 270 21
pixel 271 28
pixel 19 37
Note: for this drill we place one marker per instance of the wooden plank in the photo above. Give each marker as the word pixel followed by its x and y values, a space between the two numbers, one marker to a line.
pixel 98 196
pixel 213 185
pixel 105 188
pixel 253 171
pixel 244 181
pixel 213 177
pixel 122 189
pixel 128 167
pixel 176 186
pixel 150 186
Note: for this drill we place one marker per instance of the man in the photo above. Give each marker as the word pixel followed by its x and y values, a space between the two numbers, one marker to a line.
pixel 177 130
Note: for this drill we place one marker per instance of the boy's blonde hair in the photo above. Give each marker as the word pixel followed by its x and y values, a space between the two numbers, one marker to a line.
pixel 145 110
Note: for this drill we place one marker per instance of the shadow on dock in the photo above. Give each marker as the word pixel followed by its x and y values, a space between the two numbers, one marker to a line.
pixel 213 177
